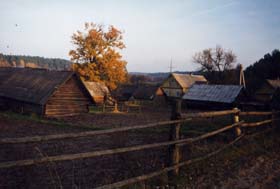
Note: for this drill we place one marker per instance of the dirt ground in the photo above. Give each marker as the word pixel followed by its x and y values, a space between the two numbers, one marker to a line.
pixel 256 169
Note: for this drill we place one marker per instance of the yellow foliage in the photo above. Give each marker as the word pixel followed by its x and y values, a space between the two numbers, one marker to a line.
pixel 96 56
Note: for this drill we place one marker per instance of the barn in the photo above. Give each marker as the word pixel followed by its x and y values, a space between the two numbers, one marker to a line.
pixel 202 96
pixel 177 84
pixel 43 92
pixel 98 91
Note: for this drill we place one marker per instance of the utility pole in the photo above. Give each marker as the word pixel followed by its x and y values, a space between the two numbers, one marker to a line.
pixel 242 77
pixel 171 66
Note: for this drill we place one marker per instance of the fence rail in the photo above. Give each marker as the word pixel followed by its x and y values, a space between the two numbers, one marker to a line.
pixel 174 144
pixel 112 151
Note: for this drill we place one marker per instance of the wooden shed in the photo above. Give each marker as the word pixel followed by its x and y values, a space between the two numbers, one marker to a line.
pixel 177 84
pixel 98 91
pixel 149 94
pixel 124 92
pixel 202 96
pixel 267 90
pixel 43 92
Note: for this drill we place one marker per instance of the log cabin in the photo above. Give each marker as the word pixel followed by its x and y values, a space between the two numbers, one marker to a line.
pixel 177 84
pixel 43 92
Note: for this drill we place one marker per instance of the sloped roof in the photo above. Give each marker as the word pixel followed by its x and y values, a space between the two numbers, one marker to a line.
pixel 96 88
pixel 31 85
pixel 274 83
pixel 145 92
pixel 124 92
pixel 186 80
pixel 213 93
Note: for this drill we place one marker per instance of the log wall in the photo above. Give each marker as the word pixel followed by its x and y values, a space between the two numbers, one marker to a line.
pixel 69 99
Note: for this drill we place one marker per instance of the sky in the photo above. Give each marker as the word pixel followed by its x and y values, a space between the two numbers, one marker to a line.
pixel 155 31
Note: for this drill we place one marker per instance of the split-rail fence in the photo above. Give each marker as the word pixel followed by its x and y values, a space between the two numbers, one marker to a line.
pixel 174 144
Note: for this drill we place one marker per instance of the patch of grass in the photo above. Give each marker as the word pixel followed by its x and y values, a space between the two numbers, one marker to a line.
pixel 95 109
pixel 35 118
pixel 228 162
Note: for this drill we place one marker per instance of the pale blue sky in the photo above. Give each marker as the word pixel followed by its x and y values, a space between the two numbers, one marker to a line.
pixel 154 31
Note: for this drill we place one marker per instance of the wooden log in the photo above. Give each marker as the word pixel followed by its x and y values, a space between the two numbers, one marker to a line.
pixel 236 120
pixel 83 134
pixel 210 134
pixel 112 151
pixel 256 123
pixel 254 113
pixel 167 169
pixel 174 135
pixel 209 114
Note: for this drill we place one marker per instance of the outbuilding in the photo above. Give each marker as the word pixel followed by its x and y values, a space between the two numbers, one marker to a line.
pixel 202 96
pixel 176 85
pixel 149 95
pixel 43 92
pixel 98 91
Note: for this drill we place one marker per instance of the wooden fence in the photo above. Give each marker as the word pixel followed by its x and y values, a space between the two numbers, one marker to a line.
pixel 174 144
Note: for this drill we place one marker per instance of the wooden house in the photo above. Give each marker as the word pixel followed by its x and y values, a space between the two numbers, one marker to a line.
pixel 177 84
pixel 124 92
pixel 267 90
pixel 43 92
pixel 149 95
pixel 98 91
pixel 203 96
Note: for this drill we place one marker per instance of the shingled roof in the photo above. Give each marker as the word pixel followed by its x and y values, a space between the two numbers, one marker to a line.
pixel 213 93
pixel 186 80
pixel 145 92
pixel 31 85
pixel 124 92
pixel 96 88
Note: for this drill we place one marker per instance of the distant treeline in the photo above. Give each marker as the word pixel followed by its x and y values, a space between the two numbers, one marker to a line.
pixel 267 67
pixel 34 62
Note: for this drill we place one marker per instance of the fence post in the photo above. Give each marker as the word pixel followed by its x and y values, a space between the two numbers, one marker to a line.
pixel 115 107
pixel 174 134
pixel 236 120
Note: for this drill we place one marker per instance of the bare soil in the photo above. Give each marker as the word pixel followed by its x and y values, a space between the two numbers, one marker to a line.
pixel 238 170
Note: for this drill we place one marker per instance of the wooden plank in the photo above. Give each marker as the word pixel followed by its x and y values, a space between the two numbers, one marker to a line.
pixel 167 169
pixel 256 123
pixel 110 151
pixel 209 114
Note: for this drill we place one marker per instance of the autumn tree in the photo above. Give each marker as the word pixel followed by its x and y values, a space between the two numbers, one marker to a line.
pixel 97 56
pixel 215 59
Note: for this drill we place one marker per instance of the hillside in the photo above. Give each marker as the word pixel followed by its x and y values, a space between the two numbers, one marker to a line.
pixel 34 62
